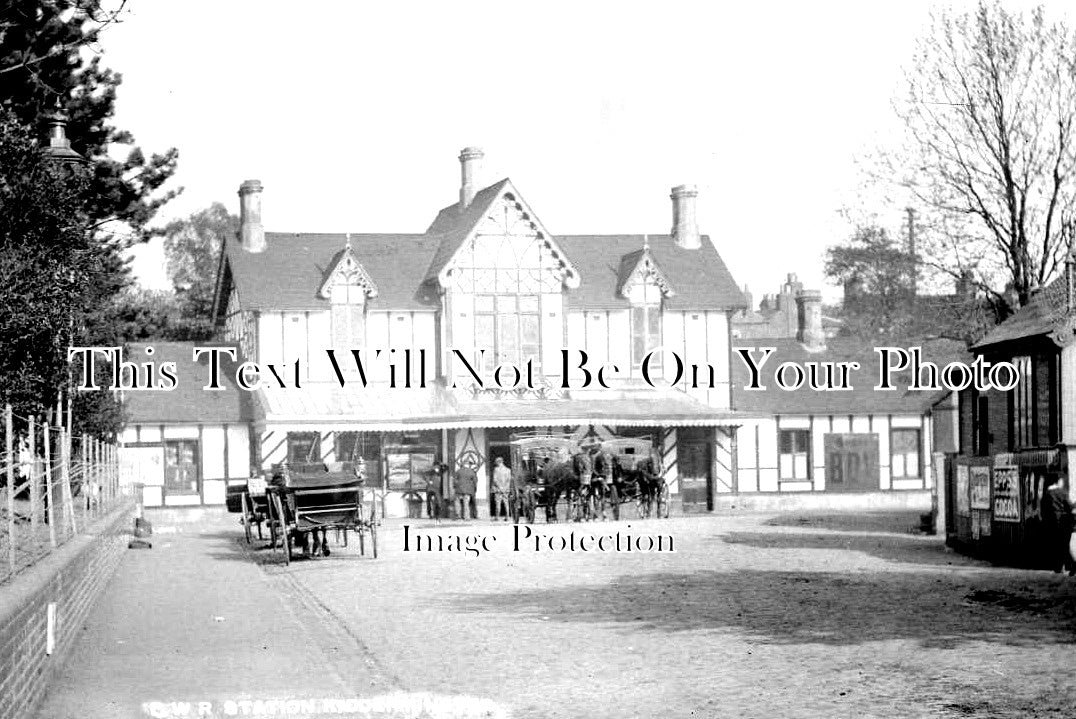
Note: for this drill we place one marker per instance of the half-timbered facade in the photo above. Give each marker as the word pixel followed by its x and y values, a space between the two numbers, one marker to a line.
pixel 408 348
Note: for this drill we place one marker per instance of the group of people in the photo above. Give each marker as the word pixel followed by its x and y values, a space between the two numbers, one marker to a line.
pixel 454 495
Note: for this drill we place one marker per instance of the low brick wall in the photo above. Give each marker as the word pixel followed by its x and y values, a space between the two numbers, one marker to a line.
pixel 72 577
pixel 917 499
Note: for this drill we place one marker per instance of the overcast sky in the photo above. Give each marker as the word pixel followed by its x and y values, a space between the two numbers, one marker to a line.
pixel 352 114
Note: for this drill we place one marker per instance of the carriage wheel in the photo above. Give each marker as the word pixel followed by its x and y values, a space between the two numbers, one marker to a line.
pixel 274 522
pixel 244 501
pixel 663 501
pixel 614 501
pixel 287 547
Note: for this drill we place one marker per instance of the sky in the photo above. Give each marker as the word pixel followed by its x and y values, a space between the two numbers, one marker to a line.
pixel 352 114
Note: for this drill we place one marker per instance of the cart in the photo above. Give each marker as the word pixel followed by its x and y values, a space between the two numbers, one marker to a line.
pixel 305 500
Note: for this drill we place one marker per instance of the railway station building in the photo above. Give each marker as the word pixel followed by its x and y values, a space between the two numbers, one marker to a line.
pixel 445 343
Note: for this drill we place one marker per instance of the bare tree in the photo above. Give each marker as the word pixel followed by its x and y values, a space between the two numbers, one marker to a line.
pixel 988 158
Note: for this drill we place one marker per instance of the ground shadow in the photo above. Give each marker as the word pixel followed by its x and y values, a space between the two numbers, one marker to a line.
pixel 910 549
pixel 885 521
pixel 787 607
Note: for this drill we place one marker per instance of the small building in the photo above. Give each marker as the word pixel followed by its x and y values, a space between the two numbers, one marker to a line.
pixel 187 444
pixel 829 430
pixel 1015 442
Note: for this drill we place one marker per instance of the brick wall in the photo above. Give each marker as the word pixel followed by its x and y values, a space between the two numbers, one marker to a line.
pixel 72 578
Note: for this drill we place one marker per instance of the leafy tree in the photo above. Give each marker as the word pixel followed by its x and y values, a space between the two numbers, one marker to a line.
pixel 877 275
pixel 54 276
pixel 44 46
pixel 989 154
pixel 144 315
pixel 193 249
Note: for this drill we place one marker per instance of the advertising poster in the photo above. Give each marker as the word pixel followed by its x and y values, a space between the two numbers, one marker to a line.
pixel 1007 494
pixel 979 487
pixel 962 505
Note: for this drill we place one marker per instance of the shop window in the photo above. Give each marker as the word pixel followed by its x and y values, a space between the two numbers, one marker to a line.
pixel 181 473
pixel 904 453
pixel 304 447
pixel 794 450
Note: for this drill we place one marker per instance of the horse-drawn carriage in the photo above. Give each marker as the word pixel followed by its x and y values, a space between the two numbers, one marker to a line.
pixel 591 478
pixel 300 503
pixel 541 476
pixel 636 477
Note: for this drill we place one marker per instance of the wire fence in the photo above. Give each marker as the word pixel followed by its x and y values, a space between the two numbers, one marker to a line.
pixel 53 485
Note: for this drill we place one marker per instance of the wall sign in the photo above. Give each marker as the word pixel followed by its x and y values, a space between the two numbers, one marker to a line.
pixel 1007 494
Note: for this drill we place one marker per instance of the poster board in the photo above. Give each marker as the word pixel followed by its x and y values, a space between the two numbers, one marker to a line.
pixel 979 486
pixel 1006 494
pixel 963 507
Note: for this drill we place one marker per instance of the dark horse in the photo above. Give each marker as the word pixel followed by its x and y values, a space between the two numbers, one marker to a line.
pixel 561 479
pixel 643 482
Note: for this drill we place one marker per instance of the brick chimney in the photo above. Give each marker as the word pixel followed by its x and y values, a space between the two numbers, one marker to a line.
pixel 251 232
pixel 685 228
pixel 809 313
pixel 470 164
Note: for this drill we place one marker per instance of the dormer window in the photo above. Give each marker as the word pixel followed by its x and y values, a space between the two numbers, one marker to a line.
pixel 348 317
pixel 646 327
pixel 346 286
pixel 645 287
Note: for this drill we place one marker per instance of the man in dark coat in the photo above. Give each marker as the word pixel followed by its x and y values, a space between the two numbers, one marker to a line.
pixel 1058 521
pixel 466 487
pixel 434 487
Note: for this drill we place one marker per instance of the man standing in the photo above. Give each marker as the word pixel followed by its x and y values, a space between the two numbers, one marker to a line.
pixel 1058 520
pixel 434 486
pixel 466 486
pixel 502 483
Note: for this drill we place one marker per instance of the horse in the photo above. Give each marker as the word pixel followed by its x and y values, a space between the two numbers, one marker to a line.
pixel 560 479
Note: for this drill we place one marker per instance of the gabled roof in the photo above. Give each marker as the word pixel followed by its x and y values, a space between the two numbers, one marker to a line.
pixel 188 403
pixel 289 272
pixel 700 277
pixel 641 261
pixel 861 400
pixel 344 264
pixel 454 228
pixel 1040 316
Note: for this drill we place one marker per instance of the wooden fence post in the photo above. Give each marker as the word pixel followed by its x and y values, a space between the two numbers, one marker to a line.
pixel 65 471
pixel 35 490
pixel 9 450
pixel 51 506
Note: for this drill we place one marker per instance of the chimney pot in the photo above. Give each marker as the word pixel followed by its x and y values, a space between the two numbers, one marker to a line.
pixel 809 311
pixel 470 164
pixel 685 228
pixel 251 232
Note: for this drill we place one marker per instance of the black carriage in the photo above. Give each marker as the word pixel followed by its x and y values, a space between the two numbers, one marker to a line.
pixel 636 477
pixel 541 476
pixel 307 500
